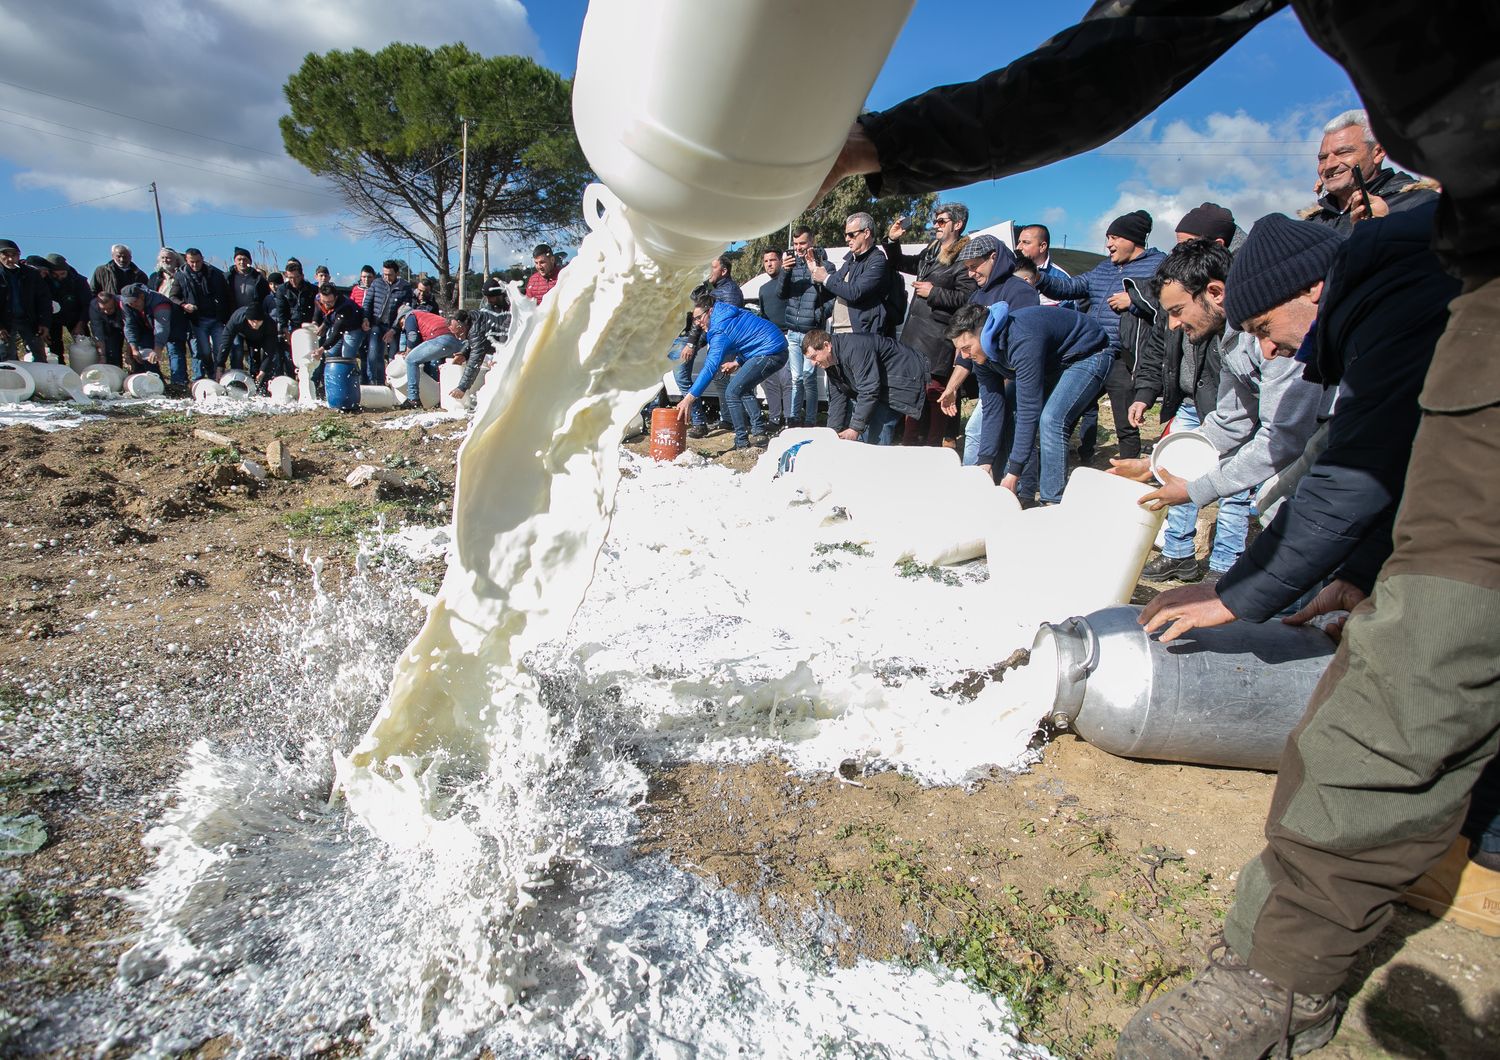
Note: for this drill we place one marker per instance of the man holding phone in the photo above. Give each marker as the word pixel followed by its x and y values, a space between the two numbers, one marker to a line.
pixel 1355 184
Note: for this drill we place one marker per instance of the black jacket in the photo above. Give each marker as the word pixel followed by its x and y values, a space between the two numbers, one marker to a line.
pixel 862 283
pixel 872 368
pixel 110 277
pixel 1066 97
pixel 1401 191
pixel 108 331
pixel 295 305
pixel 807 303
pixel 247 289
pixel 208 291
pixel 72 295
pixel 1384 305
pixel 263 338
pixel 31 292
pixel 1158 372
pixel 772 304
pixel 928 319
pixel 334 324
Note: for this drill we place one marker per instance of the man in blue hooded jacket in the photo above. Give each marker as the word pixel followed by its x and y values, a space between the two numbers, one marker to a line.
pixel 745 346
pixel 1038 367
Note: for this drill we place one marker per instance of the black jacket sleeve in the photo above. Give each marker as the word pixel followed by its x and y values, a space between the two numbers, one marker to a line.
pixel 1066 97
pixel 1149 382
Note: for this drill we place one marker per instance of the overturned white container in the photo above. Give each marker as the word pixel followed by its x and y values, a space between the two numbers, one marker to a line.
pixel 693 165
pixel 108 375
pixel 144 385
pixel 55 382
pixel 305 359
pixel 395 374
pixel 448 378
pixel 16 383
pixel 1107 508
pixel 283 390
pixel 82 354
pixel 237 383
pixel 375 398
pixel 1187 454
pixel 207 390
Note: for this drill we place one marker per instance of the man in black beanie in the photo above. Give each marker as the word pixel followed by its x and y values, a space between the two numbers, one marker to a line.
pixel 1126 323
pixel 1208 221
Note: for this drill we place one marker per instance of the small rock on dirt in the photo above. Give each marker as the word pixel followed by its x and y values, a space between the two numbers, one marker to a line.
pixel 213 436
pixel 367 473
pixel 253 470
pixel 279 459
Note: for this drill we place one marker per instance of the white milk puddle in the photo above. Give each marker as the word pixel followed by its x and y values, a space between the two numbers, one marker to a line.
pixel 483 892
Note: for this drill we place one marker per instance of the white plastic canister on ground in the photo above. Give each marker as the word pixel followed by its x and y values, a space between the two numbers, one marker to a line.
pixel 16 383
pixel 144 385
pixel 107 375
pixel 375 398
pixel 207 390
pixel 56 382
pixel 82 353
pixel 283 390
pixel 237 384
pixel 695 166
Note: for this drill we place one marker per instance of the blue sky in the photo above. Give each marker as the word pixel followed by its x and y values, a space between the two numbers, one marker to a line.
pixel 190 100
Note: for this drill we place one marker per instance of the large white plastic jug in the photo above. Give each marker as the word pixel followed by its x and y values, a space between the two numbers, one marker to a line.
pixel 662 112
pixel 108 375
pixel 1121 531
pixel 16 383
pixel 56 382
pixel 82 353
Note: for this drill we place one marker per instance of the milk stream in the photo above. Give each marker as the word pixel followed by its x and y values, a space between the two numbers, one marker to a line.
pixel 473 884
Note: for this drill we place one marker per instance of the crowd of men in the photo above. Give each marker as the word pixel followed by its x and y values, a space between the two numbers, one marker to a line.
pixel 192 320
pixel 1300 351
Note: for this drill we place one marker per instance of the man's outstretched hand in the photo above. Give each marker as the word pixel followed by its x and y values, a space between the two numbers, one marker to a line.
pixel 856 156
pixel 1186 608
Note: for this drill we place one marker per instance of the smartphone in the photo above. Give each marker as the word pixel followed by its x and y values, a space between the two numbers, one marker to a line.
pixel 1359 182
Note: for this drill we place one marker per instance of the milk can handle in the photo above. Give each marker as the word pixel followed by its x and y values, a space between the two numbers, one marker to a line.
pixel 1090 661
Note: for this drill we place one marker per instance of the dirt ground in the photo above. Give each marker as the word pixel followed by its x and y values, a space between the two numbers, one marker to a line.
pixel 1076 889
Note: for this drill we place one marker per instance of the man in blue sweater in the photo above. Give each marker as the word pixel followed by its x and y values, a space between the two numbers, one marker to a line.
pixel 1104 287
pixel 1038 367
pixel 747 348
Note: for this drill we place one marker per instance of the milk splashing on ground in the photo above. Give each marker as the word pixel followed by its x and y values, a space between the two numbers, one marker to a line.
pixel 484 891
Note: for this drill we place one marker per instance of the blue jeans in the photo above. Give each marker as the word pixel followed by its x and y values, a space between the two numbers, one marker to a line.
pixel 1078 386
pixel 377 353
pixel 206 336
pixel 685 375
pixel 438 349
pixel 804 407
pixel 740 400
pixel 883 426
pixel 177 362
pixel 1483 823
pixel 1231 528
pixel 971 435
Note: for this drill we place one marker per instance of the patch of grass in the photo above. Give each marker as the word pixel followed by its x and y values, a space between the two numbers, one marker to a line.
pixel 346 520
pixel 26 914
pixel 175 418
pixel 331 430
pixel 823 548
pixel 911 569
pixel 222 454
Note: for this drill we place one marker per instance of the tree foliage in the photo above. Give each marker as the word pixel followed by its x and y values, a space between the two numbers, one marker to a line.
pixel 826 219
pixel 385 127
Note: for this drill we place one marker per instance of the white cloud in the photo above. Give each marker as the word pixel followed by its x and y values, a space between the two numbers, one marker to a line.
pixel 213 67
pixel 1054 215
pixel 1249 165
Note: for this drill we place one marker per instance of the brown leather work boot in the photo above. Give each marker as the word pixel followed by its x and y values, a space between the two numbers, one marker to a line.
pixel 1229 1012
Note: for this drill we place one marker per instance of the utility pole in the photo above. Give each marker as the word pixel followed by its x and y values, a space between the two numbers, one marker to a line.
pixel 486 260
pixel 160 233
pixel 463 212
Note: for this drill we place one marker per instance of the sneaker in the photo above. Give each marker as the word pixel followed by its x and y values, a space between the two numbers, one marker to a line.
pixel 697 430
pixel 1167 569
pixel 1459 890
pixel 1230 1012
pixel 759 441
pixel 1211 576
pixel 408 405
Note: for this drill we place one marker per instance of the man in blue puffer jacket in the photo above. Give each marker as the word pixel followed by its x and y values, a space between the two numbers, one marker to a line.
pixel 1104 287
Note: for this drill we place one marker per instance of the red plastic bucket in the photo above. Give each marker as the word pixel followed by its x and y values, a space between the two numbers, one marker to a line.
pixel 668 434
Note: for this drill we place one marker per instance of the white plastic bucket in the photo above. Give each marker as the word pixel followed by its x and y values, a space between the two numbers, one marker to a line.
pixel 107 375
pixel 1186 454
pixel 395 375
pixel 283 390
pixel 82 354
pixel 448 376
pixel 1116 533
pixel 237 384
pixel 695 165
pixel 16 383
pixel 144 385
pixel 56 382
pixel 376 398
pixel 207 390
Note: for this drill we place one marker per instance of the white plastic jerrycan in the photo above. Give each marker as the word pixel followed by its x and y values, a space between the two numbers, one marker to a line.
pixel 662 112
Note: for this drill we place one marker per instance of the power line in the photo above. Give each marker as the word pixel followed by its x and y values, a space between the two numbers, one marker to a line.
pixel 225 166
pixel 80 202
pixel 136 117
pixel 156 154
